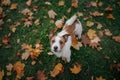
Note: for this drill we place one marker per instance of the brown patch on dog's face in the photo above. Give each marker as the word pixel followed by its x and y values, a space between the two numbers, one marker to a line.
pixel 52 40
pixel 62 42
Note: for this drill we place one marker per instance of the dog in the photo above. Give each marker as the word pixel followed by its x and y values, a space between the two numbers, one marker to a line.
pixel 61 43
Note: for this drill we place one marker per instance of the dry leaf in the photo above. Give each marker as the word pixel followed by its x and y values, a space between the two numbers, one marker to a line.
pixel 95 40
pixel 100 34
pixel 14 6
pixel 74 3
pixel 13 28
pixel 35 8
pixel 61 3
pixel 57 70
pixel 94 4
pixel 99 26
pixel 89 23
pixel 106 57
pixel 29 78
pixel 6 2
pixel 52 21
pixel 91 33
pixel 29 2
pixel 9 67
pixel 48 3
pixel 110 16
pixel 19 68
pixel 77 46
pixel 25 11
pixel 59 23
pixel 5 39
pixel 69 10
pixel 100 4
pixel 9 73
pixel 50 53
pixel 41 75
pixel 107 32
pixel 51 14
pixel 94 45
pixel 85 40
pixel 37 22
pixel 1 74
pixel 79 14
pixel 76 68
pixel 25 55
pixel 1 22
pixel 1 10
pixel 33 62
pixel 100 78
pixel 116 38
pixel 108 8
pixel 27 23
pixel 96 13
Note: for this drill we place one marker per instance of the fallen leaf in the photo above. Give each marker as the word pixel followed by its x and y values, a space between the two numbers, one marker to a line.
pixel 14 6
pixel 116 38
pixel 106 57
pixel 93 3
pixel 9 67
pixel 26 55
pixel 27 23
pixel 100 34
pixel 50 53
pixel 41 75
pixel 77 46
pixel 115 66
pixel 48 3
pixel 88 5
pixel 6 2
pixel 59 23
pixel 5 39
pixel 89 23
pixel 100 4
pixel 1 22
pixel 94 45
pixel 9 73
pixel 37 22
pixel 91 33
pixel 29 2
pixel 99 26
pixel 29 78
pixel 95 40
pixel 1 74
pixel 51 14
pixel 96 13
pixel 118 3
pixel 110 16
pixel 100 78
pixel 108 8
pixel 79 14
pixel 13 28
pixel 1 10
pixel 35 8
pixel 74 3
pixel 69 10
pixel 107 32
pixel 61 3
pixel 57 70
pixel 85 39
pixel 19 68
pixel 76 68
pixel 52 21
pixel 25 11
pixel 33 62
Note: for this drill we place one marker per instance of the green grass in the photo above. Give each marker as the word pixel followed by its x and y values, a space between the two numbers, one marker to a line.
pixel 93 61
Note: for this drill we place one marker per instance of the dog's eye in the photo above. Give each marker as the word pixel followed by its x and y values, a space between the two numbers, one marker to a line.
pixel 53 41
pixel 61 42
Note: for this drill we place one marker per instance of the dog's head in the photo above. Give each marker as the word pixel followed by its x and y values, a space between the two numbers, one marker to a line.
pixel 57 42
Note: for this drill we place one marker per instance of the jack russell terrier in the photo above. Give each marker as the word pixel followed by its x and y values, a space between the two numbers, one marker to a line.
pixel 61 43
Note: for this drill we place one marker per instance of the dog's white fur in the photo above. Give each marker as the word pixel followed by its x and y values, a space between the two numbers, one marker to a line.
pixel 65 51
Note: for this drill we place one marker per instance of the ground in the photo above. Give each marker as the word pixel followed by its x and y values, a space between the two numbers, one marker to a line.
pixel 95 64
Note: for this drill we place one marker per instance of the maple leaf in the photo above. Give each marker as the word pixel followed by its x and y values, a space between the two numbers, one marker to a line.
pixel 74 3
pixel 99 26
pixel 91 33
pixel 89 23
pixel 85 39
pixel 1 22
pixel 25 11
pixel 116 38
pixel 61 3
pixel 19 68
pixel 94 45
pixel 13 28
pixel 51 14
pixel 25 55
pixel 108 8
pixel 100 34
pixel 9 67
pixel 29 2
pixel 6 2
pixel 95 40
pixel 107 32
pixel 96 13
pixel 1 74
pixel 110 16
pixel 27 23
pixel 14 6
pixel 5 39
pixel 76 68
pixel 59 23
pixel 48 3
pixel 100 78
pixel 37 22
pixel 41 75
pixel 57 70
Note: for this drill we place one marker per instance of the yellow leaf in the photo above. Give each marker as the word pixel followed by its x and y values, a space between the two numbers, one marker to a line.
pixel 59 23
pixel 6 2
pixel 29 2
pixel 80 14
pixel 37 22
pixel 61 3
pixel 91 33
pixel 89 24
pixel 14 6
pixel 9 67
pixel 95 40
pixel 94 4
pixel 9 73
pixel 76 68
pixel 100 78
pixel 1 74
pixel 74 3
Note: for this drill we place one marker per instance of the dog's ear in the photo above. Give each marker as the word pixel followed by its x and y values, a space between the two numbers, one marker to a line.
pixel 66 37
pixel 51 35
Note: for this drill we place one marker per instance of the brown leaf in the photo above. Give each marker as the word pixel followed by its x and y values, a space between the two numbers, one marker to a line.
pixel 89 24
pixel 14 6
pixel 48 3
pixel 107 32
pixel 1 22
pixel 13 28
pixel 29 2
pixel 100 4
pixel 61 3
pixel 1 74
pixel 29 78
pixel 5 39
pixel 1 10
pixel 6 2
pixel 94 45
pixel 108 8
pixel 100 78
pixel 99 26
pixel 25 11
pixel 95 40
pixel 27 23
pixel 76 68
pixel 74 3
pixel 116 38
pixel 110 16
pixel 35 8
pixel 100 34
pixel 59 23
pixel 57 70
pixel 41 75
pixel 93 3
pixel 37 22
pixel 51 14
pixel 118 3
pixel 9 67
pixel 96 13
pixel 85 40
pixel 91 33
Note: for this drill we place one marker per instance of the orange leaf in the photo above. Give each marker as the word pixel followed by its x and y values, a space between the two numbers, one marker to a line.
pixel 91 33
pixel 108 8
pixel 1 74
pixel 61 3
pixel 74 3
pixel 110 16
pixel 59 23
pixel 76 68
pixel 14 6
pixel 116 38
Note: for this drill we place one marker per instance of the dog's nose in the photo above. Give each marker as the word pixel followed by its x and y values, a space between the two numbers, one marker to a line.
pixel 55 48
